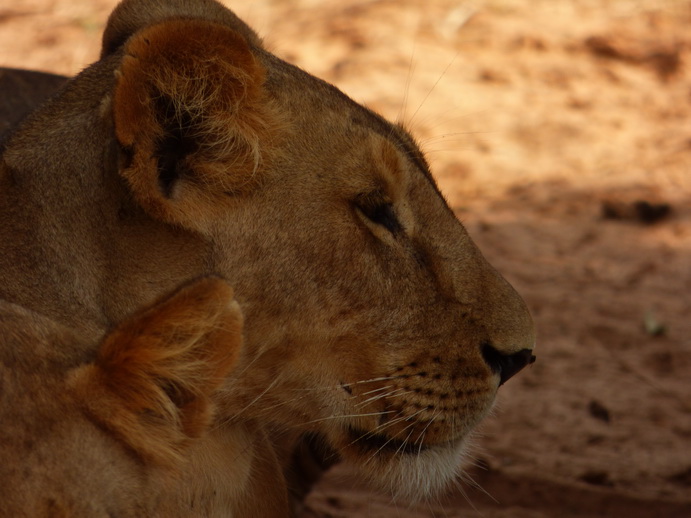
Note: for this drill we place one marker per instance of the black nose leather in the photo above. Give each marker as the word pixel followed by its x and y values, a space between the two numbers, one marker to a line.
pixel 506 365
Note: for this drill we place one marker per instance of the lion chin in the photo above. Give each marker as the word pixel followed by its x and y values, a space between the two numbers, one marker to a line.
pixel 408 471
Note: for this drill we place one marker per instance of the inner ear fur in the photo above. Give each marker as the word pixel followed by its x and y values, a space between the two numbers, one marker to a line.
pixel 190 112
pixel 153 378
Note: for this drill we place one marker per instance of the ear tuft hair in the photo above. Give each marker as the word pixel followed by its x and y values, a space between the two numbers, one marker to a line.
pixel 190 109
pixel 155 374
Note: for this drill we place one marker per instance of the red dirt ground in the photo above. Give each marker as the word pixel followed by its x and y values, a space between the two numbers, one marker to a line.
pixel 560 132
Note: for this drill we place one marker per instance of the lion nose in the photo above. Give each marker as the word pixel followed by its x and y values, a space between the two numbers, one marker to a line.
pixel 506 365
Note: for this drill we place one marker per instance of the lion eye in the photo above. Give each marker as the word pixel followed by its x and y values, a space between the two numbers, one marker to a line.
pixel 382 214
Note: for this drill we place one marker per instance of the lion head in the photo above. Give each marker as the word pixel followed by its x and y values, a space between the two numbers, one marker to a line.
pixel 372 321
pixel 105 437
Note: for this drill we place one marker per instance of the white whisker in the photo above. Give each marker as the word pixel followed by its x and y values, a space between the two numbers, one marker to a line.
pixel 346 416
pixel 397 392
pixel 376 390
pixel 404 102
pixel 372 380
pixel 421 439
pixel 269 387
pixel 410 122
pixel 405 441
pixel 388 424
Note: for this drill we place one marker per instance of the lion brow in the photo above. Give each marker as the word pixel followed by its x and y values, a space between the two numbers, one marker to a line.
pixel 399 137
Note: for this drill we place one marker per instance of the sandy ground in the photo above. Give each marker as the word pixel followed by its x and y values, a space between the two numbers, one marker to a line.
pixel 560 132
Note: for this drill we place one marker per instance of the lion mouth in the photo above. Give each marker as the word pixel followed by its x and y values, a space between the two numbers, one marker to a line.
pixel 371 442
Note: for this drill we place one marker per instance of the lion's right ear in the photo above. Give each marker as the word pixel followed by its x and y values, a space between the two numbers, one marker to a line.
pixel 152 382
pixel 191 114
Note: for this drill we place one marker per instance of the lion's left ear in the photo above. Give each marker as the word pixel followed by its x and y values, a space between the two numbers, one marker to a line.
pixel 191 114
pixel 155 375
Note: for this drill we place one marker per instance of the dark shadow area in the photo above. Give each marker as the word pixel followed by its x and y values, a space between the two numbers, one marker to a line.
pixel 21 92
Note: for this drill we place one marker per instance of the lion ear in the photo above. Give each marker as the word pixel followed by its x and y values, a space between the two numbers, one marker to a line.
pixel 132 15
pixel 153 378
pixel 190 112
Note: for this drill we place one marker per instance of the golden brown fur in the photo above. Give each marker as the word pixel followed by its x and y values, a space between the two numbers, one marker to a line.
pixel 373 323
pixel 85 437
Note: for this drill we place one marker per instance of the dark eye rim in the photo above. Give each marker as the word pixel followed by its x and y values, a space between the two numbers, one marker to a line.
pixel 379 211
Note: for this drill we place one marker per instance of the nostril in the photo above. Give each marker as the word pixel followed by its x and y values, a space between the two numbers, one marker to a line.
pixel 506 365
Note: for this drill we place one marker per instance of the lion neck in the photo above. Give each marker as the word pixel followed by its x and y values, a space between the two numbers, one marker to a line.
pixel 73 246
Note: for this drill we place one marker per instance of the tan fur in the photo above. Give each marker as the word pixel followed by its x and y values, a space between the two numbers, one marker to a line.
pixel 372 321
pixel 108 436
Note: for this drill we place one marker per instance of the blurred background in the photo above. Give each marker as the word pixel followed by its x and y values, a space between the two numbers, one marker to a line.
pixel 560 133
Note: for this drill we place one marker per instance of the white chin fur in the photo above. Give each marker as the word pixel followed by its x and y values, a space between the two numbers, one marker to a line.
pixel 418 477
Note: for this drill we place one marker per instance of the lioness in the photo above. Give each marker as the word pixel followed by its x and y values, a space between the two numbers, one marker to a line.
pixel 373 323
pixel 85 437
